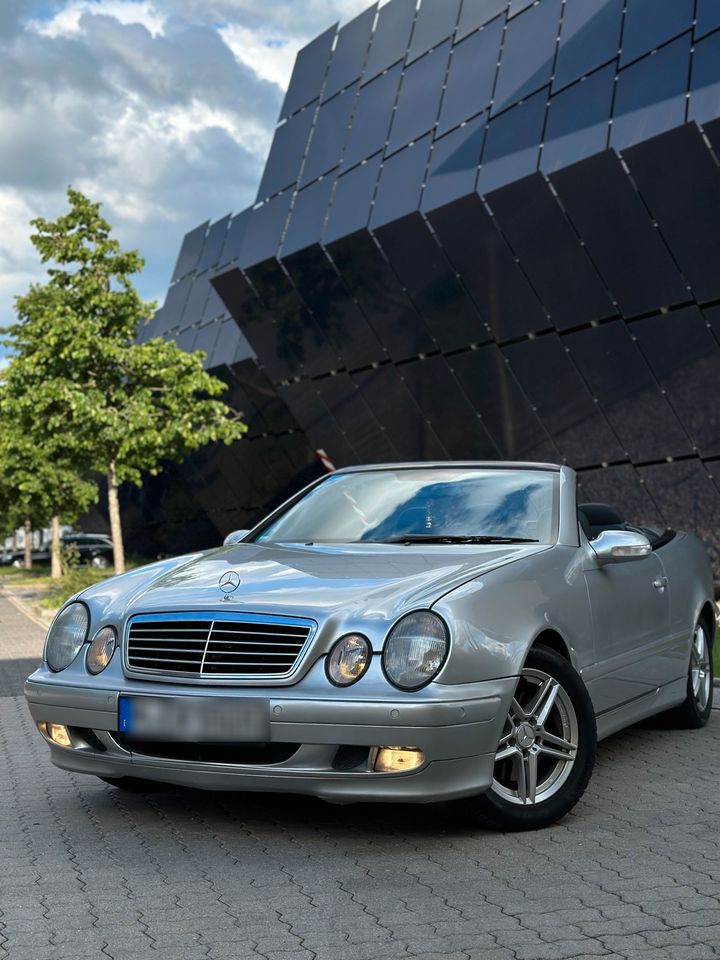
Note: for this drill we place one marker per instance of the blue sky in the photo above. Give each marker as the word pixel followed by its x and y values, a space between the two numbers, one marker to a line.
pixel 161 109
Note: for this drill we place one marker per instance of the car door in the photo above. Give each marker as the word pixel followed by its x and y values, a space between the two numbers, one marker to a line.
pixel 629 605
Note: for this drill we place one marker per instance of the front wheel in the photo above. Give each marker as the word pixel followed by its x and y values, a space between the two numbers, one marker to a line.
pixel 546 752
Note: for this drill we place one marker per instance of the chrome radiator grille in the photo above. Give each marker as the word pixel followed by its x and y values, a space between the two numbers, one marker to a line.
pixel 216 646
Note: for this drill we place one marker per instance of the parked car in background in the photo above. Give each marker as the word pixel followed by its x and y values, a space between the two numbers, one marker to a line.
pixel 414 632
pixel 94 549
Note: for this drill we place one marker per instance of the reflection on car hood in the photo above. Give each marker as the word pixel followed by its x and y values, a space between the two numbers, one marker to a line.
pixel 313 581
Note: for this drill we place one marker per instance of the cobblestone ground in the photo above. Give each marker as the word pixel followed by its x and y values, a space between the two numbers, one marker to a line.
pixel 89 872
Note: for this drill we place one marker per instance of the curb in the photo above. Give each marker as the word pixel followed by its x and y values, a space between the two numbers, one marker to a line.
pixel 23 608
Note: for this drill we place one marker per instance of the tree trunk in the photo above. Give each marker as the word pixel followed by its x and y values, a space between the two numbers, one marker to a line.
pixel 115 526
pixel 55 564
pixel 27 526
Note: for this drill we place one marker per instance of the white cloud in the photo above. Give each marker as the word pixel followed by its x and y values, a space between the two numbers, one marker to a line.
pixel 68 20
pixel 269 53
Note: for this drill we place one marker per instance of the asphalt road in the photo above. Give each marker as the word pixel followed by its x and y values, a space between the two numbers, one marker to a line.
pixel 89 872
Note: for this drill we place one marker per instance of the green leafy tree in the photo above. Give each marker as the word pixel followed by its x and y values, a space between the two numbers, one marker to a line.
pixel 129 407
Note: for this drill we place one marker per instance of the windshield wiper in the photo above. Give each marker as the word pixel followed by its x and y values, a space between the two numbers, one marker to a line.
pixel 436 538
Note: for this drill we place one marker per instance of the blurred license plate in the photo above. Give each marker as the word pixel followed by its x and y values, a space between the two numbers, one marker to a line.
pixel 195 719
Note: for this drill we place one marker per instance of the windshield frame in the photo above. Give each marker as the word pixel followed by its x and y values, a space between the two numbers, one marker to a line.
pixel 275 515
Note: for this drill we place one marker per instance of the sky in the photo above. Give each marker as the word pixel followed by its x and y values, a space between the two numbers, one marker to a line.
pixel 163 110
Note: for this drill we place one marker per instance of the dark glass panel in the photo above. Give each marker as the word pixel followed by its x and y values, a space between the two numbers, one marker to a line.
pixel 590 36
pixel 712 315
pixel 649 23
pixel 380 296
pixel 435 22
pixel 228 343
pixel 213 244
pixel 309 73
pixel 175 301
pixel 562 401
pixel 622 487
pixel 252 390
pixel 265 230
pixel 391 37
pixel 423 269
pixel 329 135
pixel 613 222
pixel 186 339
pixel 473 66
pixel 300 341
pixel 680 183
pixel 650 95
pixel 685 358
pixel 347 407
pixel 705 80
pixel 190 252
pixel 688 500
pixel 350 207
pixel 419 99
pixel 476 13
pixel 480 254
pixel 707 17
pixel 447 409
pixel 350 52
pixel 550 253
pixel 308 215
pixel 196 301
pixel 528 53
pixel 627 392
pixel 401 182
pixel 512 144
pixel 406 427
pixel 214 307
pixel 235 236
pixel 454 164
pixel 489 384
pixel 712 132
pixel 305 404
pixel 373 114
pixel 206 340
pixel 286 153
pixel 334 310
pixel 578 121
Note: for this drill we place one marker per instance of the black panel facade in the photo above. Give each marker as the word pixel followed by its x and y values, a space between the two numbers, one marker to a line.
pixel 485 230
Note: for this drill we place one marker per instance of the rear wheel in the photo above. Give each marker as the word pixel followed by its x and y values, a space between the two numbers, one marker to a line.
pixel 547 749
pixel 694 711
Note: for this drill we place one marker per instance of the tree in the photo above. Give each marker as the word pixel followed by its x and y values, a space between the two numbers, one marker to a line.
pixel 128 407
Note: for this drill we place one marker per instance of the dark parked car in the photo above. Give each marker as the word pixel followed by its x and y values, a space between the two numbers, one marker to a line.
pixel 94 549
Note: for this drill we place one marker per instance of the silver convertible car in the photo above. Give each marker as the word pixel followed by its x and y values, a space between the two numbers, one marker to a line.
pixel 418 632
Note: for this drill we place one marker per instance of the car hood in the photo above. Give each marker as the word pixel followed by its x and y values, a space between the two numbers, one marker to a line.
pixel 311 581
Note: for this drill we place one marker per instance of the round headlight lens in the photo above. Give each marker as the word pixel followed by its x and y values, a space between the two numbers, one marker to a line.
pixel 101 649
pixel 67 634
pixel 415 650
pixel 348 660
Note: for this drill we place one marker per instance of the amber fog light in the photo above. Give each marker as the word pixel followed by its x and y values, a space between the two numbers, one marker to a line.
pixel 57 733
pixel 101 650
pixel 349 659
pixel 398 759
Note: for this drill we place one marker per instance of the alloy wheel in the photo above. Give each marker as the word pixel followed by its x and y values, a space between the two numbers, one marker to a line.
pixel 700 673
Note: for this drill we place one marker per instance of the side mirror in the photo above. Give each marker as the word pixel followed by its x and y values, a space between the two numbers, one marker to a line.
pixel 617 546
pixel 235 537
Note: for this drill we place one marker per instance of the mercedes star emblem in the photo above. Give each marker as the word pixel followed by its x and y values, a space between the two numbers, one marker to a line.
pixel 228 583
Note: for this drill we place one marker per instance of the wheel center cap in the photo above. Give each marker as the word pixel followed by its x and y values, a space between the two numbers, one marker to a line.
pixel 525 735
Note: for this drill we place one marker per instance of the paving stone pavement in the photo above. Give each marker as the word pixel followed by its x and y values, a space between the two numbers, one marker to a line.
pixel 89 872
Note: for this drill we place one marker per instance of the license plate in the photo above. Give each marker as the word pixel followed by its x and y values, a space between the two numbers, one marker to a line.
pixel 195 719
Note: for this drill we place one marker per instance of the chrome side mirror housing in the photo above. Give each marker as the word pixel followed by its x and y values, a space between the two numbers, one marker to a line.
pixel 235 537
pixel 617 546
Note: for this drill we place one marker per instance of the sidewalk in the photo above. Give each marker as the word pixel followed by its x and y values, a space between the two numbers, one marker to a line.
pixel 21 642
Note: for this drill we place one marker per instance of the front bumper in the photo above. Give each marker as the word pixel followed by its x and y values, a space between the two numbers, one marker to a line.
pixel 457 727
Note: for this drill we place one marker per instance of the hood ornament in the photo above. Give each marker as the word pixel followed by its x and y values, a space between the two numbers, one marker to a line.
pixel 228 583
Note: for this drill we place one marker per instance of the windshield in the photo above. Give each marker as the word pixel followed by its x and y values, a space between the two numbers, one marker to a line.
pixel 451 505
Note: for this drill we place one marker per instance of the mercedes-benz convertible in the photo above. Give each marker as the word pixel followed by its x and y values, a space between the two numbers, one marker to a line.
pixel 458 632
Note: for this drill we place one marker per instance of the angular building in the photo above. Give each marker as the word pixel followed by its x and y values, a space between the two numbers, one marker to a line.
pixel 486 229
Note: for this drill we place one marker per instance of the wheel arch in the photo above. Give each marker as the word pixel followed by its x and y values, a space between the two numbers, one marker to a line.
pixel 552 639
pixel 708 615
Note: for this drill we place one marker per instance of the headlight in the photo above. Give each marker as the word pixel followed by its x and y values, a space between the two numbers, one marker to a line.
pixel 415 650
pixel 101 650
pixel 66 636
pixel 348 660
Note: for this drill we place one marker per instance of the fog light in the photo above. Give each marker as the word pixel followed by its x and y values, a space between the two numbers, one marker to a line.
pixel 398 759
pixel 57 733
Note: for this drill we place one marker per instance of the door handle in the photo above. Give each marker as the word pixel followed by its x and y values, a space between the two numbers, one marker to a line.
pixel 660 584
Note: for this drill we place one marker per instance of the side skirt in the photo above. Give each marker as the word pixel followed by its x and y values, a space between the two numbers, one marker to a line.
pixel 665 697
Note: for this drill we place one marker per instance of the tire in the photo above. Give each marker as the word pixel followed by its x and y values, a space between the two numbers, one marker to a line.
pixel 548 685
pixel 694 711
pixel 135 784
pixel 100 561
